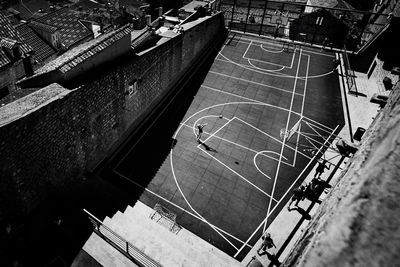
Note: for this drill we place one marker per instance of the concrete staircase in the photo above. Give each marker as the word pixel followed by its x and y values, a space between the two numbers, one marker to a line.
pixel 155 240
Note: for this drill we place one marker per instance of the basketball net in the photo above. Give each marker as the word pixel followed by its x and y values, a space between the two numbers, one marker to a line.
pixel 287 134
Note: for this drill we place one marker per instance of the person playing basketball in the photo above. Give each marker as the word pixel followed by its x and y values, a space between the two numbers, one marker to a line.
pixel 200 131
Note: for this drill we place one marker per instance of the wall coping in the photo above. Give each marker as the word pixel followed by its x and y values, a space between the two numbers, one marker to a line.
pixel 31 103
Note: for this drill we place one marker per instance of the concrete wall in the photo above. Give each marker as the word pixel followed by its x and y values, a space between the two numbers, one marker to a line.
pixel 358 223
pixel 55 144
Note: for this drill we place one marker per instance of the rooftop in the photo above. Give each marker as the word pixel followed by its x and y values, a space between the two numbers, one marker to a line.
pixel 42 26
pixel 7 42
pixel 8 31
pixel 41 48
pixel 73 57
pixel 71 29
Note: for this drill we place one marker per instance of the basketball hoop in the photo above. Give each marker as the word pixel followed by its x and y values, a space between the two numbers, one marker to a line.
pixel 284 134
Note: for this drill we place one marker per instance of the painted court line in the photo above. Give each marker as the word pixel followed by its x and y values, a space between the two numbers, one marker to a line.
pixel 270 63
pixel 244 147
pixel 180 190
pixel 270 51
pixel 255 101
pixel 266 72
pixel 194 125
pixel 257 83
pixel 284 139
pixel 179 207
pixel 272 44
pixel 243 178
pixel 271 73
pixel 276 139
pixel 190 206
pixel 302 105
pixel 262 69
pixel 280 200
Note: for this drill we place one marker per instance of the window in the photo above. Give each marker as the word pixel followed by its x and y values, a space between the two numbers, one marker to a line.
pixel 132 89
pixel 4 92
pixel 319 21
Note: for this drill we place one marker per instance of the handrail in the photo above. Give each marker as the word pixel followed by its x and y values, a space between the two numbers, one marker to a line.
pixel 127 249
pixel 373 38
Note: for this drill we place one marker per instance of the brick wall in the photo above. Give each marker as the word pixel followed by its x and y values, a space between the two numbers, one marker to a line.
pixel 55 144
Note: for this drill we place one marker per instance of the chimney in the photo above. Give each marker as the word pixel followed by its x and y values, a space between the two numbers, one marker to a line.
pixel 160 11
pixel 148 20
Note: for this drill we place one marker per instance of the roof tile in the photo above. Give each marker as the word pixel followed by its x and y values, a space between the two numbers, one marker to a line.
pixel 71 30
pixel 41 48
pixel 8 31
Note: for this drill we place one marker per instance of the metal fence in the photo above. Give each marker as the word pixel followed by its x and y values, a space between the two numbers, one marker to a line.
pixel 334 27
pixel 127 249
pixel 349 74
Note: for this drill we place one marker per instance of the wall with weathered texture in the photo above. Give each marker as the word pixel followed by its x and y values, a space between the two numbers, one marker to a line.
pixel 359 222
pixel 55 144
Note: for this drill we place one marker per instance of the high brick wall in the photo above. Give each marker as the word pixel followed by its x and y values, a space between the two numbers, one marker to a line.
pixel 358 223
pixel 55 144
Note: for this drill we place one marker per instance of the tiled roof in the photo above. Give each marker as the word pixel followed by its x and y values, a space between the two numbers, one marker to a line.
pixel 323 3
pixel 42 26
pixel 7 42
pixel 41 48
pixel 4 60
pixel 8 31
pixel 71 30
pixel 72 58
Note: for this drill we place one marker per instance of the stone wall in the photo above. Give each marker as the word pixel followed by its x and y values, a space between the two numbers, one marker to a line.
pixel 358 223
pixel 53 145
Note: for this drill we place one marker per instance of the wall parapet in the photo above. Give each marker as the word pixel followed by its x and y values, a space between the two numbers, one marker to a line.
pixel 54 139
pixel 357 224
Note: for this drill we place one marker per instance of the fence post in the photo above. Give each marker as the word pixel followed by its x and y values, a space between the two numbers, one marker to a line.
pixel 233 12
pixel 262 20
pixel 247 16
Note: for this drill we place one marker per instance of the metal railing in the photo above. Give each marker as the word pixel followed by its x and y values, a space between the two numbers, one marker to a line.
pixel 127 249
pixel 315 25
pixel 349 74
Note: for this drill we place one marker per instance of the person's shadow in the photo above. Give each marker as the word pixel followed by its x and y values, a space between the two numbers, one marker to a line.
pixel 207 147
pixel 272 257
pixel 303 213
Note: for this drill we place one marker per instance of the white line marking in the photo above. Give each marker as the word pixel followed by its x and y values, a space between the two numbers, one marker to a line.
pixel 255 162
pixel 254 66
pixel 276 139
pixel 229 168
pixel 225 92
pixel 190 206
pixel 271 73
pixel 257 83
pixel 321 126
pixel 284 140
pixel 194 126
pixel 270 51
pixel 244 147
pixel 277 204
pixel 245 52
pixel 179 207
pixel 272 44
pixel 271 63
pixel 302 107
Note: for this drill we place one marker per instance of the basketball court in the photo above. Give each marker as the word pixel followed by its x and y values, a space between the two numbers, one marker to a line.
pixel 271 109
